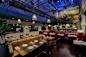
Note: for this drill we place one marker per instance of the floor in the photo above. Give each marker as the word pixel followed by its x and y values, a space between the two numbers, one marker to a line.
pixel 67 49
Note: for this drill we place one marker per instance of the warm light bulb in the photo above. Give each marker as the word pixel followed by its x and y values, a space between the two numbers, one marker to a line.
pixel 33 22
pixel 48 21
pixel 19 20
pixel 34 17
pixel 49 25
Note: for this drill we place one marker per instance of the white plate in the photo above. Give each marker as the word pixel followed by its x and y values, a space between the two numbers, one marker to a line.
pixel 35 45
pixel 40 42
pixel 35 41
pixel 17 48
pixel 30 47
pixel 31 42
pixel 24 45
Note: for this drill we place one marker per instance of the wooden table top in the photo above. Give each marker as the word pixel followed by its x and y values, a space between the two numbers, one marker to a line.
pixel 24 50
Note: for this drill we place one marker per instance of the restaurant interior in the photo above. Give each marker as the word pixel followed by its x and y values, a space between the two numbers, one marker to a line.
pixel 42 28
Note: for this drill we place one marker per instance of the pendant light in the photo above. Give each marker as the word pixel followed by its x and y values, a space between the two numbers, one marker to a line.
pixel 19 21
pixel 33 22
pixel 49 25
pixel 34 18
pixel 48 21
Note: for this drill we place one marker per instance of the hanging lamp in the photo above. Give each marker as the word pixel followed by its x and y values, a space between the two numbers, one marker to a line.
pixel 34 19
pixel 19 21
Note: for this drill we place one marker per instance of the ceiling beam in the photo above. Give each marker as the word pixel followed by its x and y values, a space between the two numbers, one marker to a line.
pixel 31 9
pixel 51 3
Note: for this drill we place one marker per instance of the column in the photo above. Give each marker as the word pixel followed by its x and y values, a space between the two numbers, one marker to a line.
pixel 83 23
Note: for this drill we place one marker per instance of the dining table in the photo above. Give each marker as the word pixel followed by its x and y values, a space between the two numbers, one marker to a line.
pixel 30 49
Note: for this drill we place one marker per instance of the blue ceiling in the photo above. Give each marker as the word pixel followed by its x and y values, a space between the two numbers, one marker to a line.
pixel 12 11
pixel 64 3
pixel 48 6
pixel 43 8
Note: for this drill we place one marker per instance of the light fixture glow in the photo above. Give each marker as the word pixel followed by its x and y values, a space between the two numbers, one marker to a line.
pixel 34 17
pixel 48 21
pixel 49 25
pixel 33 22
pixel 19 20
